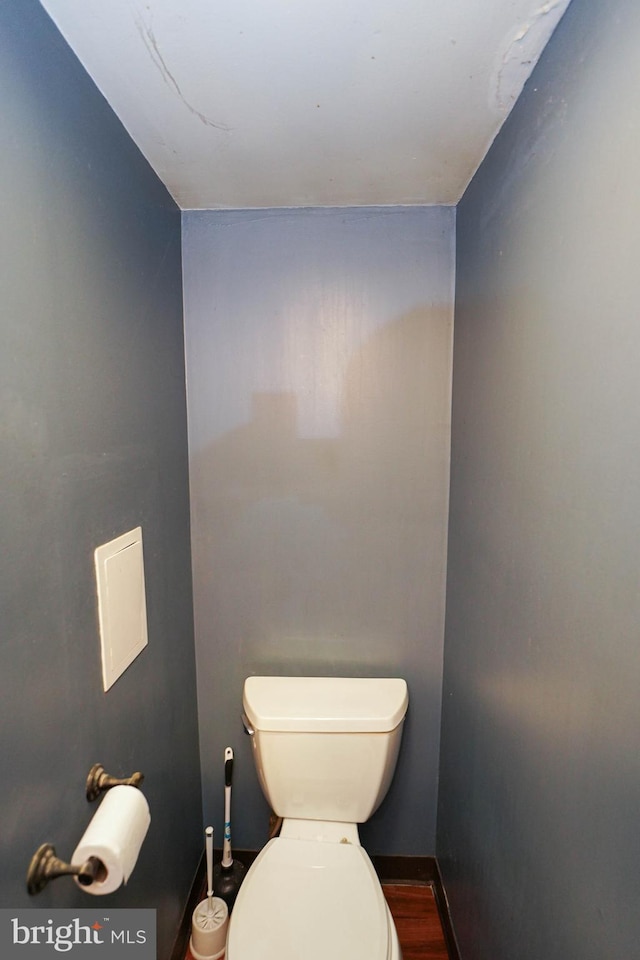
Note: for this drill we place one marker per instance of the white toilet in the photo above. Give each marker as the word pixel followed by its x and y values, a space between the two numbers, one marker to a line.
pixel 325 751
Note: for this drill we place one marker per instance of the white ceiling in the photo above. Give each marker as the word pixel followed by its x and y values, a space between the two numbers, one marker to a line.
pixel 284 103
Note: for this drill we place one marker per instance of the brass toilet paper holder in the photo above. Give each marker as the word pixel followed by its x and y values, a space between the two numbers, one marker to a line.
pixel 46 866
pixel 98 781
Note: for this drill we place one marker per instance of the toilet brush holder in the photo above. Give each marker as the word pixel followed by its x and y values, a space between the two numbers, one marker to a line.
pixel 210 918
pixel 209 929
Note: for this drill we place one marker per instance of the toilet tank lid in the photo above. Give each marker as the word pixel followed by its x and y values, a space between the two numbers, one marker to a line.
pixel 325 704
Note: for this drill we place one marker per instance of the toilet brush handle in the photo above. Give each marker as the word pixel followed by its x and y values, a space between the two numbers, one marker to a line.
pixel 227 859
pixel 208 843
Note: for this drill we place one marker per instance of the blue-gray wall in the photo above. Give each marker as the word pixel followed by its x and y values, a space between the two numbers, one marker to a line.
pixel 540 776
pixel 318 368
pixel 92 442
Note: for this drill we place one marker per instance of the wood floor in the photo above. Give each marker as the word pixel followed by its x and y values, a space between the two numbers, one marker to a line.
pixel 416 918
pixel 417 922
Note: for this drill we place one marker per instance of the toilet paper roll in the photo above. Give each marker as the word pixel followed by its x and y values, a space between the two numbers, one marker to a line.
pixel 114 836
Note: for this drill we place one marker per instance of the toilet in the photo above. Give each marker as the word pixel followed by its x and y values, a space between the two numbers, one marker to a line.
pixel 325 750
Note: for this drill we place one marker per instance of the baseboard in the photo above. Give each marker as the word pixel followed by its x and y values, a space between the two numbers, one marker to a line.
pixel 397 869
pixel 442 903
pixel 390 869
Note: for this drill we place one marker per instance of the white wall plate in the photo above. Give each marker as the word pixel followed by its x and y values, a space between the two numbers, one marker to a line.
pixel 122 607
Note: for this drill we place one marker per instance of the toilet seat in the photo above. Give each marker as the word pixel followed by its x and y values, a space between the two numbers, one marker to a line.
pixel 309 900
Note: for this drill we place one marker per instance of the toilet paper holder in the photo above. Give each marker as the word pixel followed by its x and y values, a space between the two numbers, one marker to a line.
pixel 46 866
pixel 98 781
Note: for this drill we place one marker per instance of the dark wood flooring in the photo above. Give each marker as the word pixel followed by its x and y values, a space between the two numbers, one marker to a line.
pixel 417 921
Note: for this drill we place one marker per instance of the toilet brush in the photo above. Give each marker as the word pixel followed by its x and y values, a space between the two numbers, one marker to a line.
pixel 228 874
pixel 210 918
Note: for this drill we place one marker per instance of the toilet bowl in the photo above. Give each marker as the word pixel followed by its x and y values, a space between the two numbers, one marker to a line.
pixel 311 900
pixel 325 751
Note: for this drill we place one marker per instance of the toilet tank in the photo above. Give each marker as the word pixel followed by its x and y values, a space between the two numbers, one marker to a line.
pixel 325 748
